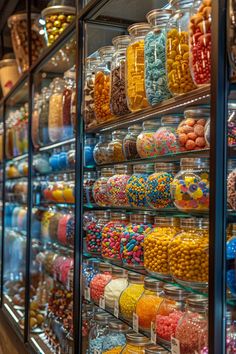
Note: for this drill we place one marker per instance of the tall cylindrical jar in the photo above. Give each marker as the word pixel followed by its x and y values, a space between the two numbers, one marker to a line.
pixel 129 142
pixel 155 56
pixel 43 116
pixel 55 117
pixel 70 85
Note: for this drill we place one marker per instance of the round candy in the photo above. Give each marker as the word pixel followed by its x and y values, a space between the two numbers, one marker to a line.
pixel 166 140
pixel 135 190
pixel 129 299
pixel 158 190
pixel 146 146
pixel 97 285
pixel 94 237
pixel 100 192
pixel 111 235
pixel 167 324
pixel 116 187
pixel 146 309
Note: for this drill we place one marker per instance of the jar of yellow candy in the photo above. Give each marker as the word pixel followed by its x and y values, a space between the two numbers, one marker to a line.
pixel 188 253
pixel 177 49
pixel 135 344
pixel 135 84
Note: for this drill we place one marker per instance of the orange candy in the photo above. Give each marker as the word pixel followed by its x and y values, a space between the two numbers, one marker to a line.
pixel 102 97
pixel 146 309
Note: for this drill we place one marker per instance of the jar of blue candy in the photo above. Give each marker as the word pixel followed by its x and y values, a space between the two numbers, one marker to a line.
pixel 54 159
pixel 231 255
pixel 89 145
pixel 98 332
pixel 155 55
pixel 116 337
pixel 63 159
pixel 89 270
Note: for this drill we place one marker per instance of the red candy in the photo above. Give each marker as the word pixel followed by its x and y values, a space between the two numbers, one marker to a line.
pixel 97 285
pixel 166 325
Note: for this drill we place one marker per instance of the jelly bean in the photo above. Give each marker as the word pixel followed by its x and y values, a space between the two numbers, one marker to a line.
pixel 111 235
pixel 97 285
pixel 94 237
pixel 167 324
pixel 116 187
pixel 129 299
pixel 135 190
pixel 158 190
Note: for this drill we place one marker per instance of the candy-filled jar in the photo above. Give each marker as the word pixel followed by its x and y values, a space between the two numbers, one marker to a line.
pixel 100 190
pixel 231 189
pixel 188 253
pixel 89 145
pixel 94 232
pixel 146 145
pixel 44 115
pixel 166 137
pixel 69 86
pixel 115 147
pixel 102 86
pixel 114 288
pixel 148 304
pixel 116 185
pixel 136 344
pixel 132 239
pixel 135 67
pixel 98 332
pixel 115 338
pixel 9 140
pixel 55 114
pixel 99 282
pixel 156 244
pixel 129 297
pixel 192 329
pixel 136 185
pixel 129 142
pixel 200 42
pixel 101 152
pixel 111 236
pixel 89 270
pixel 190 187
pixel 231 125
pixel 170 311
pixel 231 255
pixel 35 121
pixel 155 57
pixel 177 49
pixel 89 180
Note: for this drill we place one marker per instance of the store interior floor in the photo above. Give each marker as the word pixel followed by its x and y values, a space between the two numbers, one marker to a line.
pixel 9 343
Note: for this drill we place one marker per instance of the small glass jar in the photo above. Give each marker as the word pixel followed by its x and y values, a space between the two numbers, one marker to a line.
pixel 129 297
pixel 136 186
pixel 188 253
pixel 115 339
pixel 155 349
pixel 135 81
pixel 132 239
pixel 166 137
pixel 55 117
pixel 136 344
pixel 101 152
pixel 89 180
pixel 129 142
pixel 98 332
pixel 231 255
pixel 116 186
pixel 155 56
pixel 200 42
pixel 100 190
pixel 118 101
pixel 102 86
pixel 115 287
pixel 99 282
pixel 170 311
pixel 111 236
pixel 190 187
pixel 69 86
pixel 94 232
pixel 115 147
pixel 148 304
pixel 44 115
pixel 192 328
pixel 89 146
pixel 231 198
pixel 156 244
pixel 177 49
pixel 146 146
pixel 192 129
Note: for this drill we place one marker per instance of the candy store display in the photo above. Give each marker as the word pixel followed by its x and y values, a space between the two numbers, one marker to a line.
pixel 94 232
pixel 100 187
pixel 129 142
pixel 116 185
pixel 9 74
pixel 99 282
pixel 101 151
pixel 89 146
pixel 136 343
pixel 98 332
pixel 166 137
pixel 145 142
pixel 115 287
pixel 115 147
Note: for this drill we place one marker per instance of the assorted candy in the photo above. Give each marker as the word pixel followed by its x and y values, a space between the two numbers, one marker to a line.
pixel 166 137
pixel 129 142
pixel 94 232
pixel 146 146
pixel 116 186
pixel 100 188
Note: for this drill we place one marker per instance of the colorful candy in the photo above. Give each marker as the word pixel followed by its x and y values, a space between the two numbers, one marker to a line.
pixel 116 186
pixel 231 190
pixel 100 188
pixel 166 137
pixel 98 283
pixel 167 324
pixel 94 232
pixel 146 146
pixel 101 97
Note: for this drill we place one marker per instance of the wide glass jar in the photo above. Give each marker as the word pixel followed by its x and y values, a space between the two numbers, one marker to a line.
pixel 132 239
pixel 55 117
pixel 136 344
pixel 146 146
pixel 99 281
pixel 89 146
pixel 135 79
pixel 148 304
pixel 231 255
pixel 111 236
pixel 129 142
pixel 156 244
pixel 94 232
pixel 177 48
pixel 188 253
pixel 191 131
pixel 100 189
pixel 115 338
pixel 114 288
pixel 231 187
pixel 155 57
pixel 170 311
pixel 116 185
pixel 115 147
pixel 98 332
pixel 89 180
pixel 129 297
pixel 69 86
pixel 190 187
pixel 118 101
pixel 166 137
pixel 192 328
pixel 102 86
pixel 136 186
pixel 200 42
pixel 101 152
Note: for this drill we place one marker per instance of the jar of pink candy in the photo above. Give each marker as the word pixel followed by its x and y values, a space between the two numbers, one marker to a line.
pixel 94 232
pixel 98 283
pixel 116 186
pixel 166 137
pixel 100 191
pixel 145 143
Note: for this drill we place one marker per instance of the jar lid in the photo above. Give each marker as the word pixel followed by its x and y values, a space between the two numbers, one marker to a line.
pixel 181 4
pixel 119 133
pixel 122 41
pixel 102 317
pixel 198 302
pixel 166 221
pixel 202 223
pixel 194 162
pixel 8 62
pixel 148 168
pixel 142 216
pixel 158 17
pixel 151 124
pixel 104 136
pixel 140 28
pixel 155 349
pixel 107 171
pixel 118 216
pixel 120 169
pixel 118 326
pixel 171 119
pixel 106 51
pixel 102 214
pixel 93 262
pixel 135 127
pixel 137 339
pixel 152 284
pixel 174 292
pixel 232 105
pixel 90 174
pixel 117 271
pixel 52 10
pixel 135 277
pixel 105 267
pixel 197 112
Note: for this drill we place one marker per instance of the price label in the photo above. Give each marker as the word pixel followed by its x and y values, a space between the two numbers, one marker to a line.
pixel 87 294
pixel 153 333
pixel 116 309
pixel 102 302
pixel 135 322
pixel 175 346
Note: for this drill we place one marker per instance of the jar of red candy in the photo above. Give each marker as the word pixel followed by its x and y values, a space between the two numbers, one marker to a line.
pixel 170 311
pixel 200 42
pixel 166 137
pixel 192 330
pixel 62 227
pixel 111 236
pixel 89 180
pixel 94 232
pixel 98 283
pixel 100 190
pixel 116 186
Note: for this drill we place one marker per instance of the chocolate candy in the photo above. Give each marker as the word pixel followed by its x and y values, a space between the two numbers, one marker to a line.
pixel 129 142
pixel 118 101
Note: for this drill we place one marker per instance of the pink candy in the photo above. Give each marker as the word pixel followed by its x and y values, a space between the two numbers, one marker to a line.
pixel 97 285
pixel 166 325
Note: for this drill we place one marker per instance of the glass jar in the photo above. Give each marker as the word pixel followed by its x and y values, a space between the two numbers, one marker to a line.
pixel 101 152
pixel 231 255
pixel 115 339
pixel 63 159
pixel 115 147
pixel 102 86
pixel 55 117
pixel 111 236
pixel 69 86
pixel 89 270
pixel 192 329
pixel 71 156
pixel 1 142
pixel 47 215
pixel 99 282
pixel 136 344
pixel 98 332
pixel 156 244
pixel 155 349
pixel 146 146
pixel 135 84
pixel 166 137
pixel 177 49
pixel 118 101
pixel 94 232
pixel 158 194
pixel 35 122
pixel 132 239
pixel 170 311
pixel 116 186
pixel 114 288
pixel 53 225
pixel 231 198
pixel 54 159
pixel 129 142
pixel 136 186
pixel 9 73
pixel 43 116
pixel 62 227
pixel 100 190
pixel 188 253
pixel 89 180
pixel 89 146
pixel 200 42
pixel 155 56
pixel 231 34
pixel 129 297
pixel 190 187
pixel 191 130
pixel 148 304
